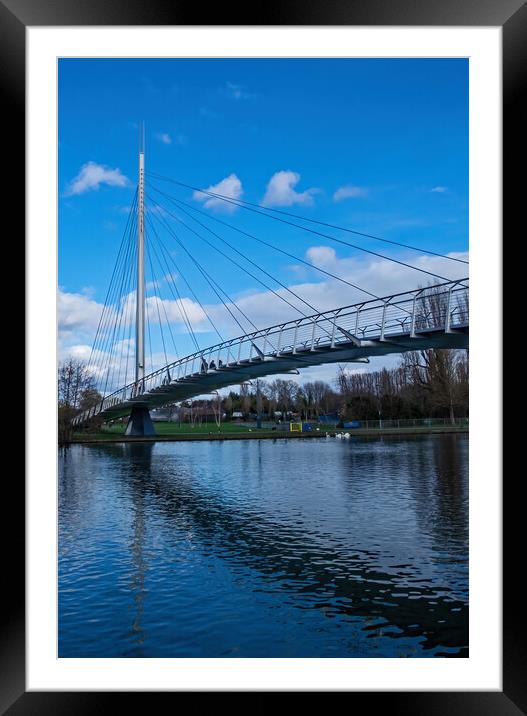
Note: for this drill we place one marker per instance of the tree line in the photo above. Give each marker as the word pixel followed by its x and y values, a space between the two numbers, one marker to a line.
pixel 426 384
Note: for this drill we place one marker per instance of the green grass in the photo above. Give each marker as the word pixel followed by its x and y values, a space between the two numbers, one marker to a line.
pixel 162 428
pixel 187 431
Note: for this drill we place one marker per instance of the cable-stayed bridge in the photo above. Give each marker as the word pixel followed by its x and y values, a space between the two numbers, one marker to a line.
pixel 423 317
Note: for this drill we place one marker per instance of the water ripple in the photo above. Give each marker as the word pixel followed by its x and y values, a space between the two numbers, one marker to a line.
pixel 265 548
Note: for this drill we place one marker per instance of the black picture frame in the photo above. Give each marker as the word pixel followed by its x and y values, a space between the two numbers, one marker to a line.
pixel 15 16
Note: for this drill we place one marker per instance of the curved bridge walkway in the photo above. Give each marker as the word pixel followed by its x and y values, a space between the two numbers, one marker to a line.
pixel 433 317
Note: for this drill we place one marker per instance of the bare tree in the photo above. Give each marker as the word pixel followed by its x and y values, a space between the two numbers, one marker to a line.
pixel 284 392
pixel 315 398
pixel 76 392
pixel 245 395
pixel 436 372
pixel 442 373
pixel 74 379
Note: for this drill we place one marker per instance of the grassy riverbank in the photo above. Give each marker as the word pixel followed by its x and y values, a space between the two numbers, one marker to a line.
pixel 228 431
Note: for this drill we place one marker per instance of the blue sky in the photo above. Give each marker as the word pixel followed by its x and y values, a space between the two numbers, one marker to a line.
pixel 378 145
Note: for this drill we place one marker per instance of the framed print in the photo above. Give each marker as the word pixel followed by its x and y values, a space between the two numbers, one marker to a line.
pixel 65 643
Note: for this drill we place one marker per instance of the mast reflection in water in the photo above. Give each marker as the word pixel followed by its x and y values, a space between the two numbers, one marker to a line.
pixel 318 548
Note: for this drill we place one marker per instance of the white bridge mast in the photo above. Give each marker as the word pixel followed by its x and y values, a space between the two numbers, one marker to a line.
pixel 140 293
pixel 140 422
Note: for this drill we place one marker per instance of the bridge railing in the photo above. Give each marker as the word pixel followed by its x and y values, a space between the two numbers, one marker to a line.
pixel 442 307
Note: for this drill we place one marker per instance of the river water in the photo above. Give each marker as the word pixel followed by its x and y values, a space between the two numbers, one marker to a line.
pixel 265 548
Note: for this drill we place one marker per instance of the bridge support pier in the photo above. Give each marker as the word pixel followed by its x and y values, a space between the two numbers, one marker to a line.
pixel 140 423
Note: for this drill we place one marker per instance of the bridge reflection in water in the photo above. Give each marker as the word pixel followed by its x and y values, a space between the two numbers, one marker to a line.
pixel 360 550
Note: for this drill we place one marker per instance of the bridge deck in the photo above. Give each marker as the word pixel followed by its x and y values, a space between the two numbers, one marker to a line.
pixel 435 317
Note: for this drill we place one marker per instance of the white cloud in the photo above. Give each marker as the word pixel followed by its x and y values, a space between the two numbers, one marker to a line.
pixel 80 352
pixel 439 190
pixel 231 187
pixel 92 175
pixel 158 307
pixel 164 137
pixel 77 312
pixel 379 277
pixel 321 255
pixel 179 139
pixel 175 311
pixel 105 367
pixel 281 192
pixel 349 192
pixel 299 270
pixel 234 91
